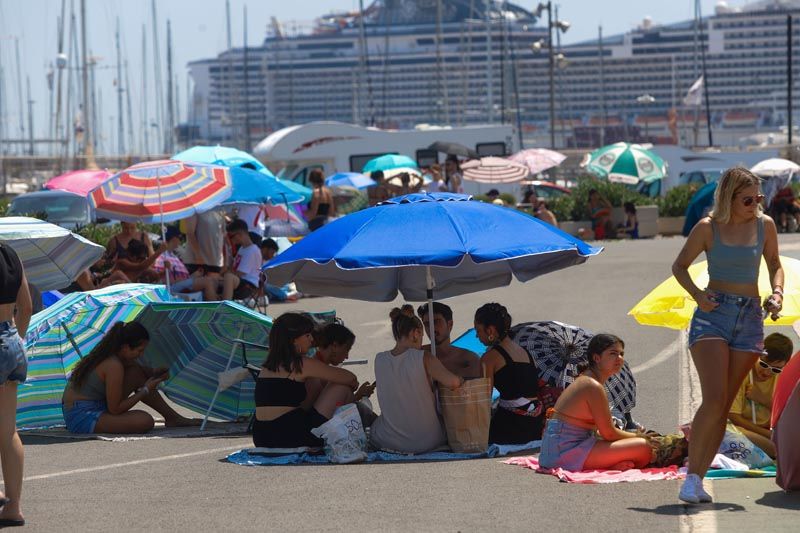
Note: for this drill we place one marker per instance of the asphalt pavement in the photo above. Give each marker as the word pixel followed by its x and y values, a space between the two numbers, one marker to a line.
pixel 185 484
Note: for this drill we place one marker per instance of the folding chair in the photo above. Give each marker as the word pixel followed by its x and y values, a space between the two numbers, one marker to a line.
pixel 257 301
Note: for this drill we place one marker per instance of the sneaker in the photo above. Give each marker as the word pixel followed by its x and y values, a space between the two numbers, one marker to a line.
pixel 692 490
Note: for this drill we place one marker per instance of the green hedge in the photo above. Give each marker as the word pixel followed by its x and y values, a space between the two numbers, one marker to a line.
pixel 675 202
pixel 576 205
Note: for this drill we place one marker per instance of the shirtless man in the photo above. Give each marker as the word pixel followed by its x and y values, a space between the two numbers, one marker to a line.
pixel 459 361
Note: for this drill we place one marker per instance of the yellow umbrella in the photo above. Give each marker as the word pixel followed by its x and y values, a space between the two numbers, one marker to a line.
pixel 670 306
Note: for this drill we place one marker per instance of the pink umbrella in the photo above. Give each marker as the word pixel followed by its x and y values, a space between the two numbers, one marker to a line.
pixel 79 181
pixel 538 159
pixel 282 212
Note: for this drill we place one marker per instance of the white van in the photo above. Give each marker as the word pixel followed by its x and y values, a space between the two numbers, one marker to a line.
pixel 338 147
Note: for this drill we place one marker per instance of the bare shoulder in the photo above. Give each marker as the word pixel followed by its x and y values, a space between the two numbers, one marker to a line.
pixel 466 354
pixel 769 223
pixel 110 365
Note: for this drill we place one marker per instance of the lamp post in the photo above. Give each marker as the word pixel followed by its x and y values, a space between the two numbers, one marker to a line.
pixel 646 100
pixel 563 26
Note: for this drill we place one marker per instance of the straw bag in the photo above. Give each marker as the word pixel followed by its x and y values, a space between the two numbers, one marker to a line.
pixel 467 412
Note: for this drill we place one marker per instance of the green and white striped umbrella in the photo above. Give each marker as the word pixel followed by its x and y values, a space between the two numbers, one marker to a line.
pixel 626 163
pixel 194 340
pixel 60 335
pixel 51 255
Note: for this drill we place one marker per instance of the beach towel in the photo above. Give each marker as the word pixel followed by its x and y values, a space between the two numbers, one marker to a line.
pixel 268 457
pixel 213 429
pixel 591 477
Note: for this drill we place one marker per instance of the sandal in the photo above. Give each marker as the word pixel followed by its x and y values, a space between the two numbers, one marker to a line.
pixel 11 522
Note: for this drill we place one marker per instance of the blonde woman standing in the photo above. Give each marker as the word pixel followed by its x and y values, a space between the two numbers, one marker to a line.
pixel 726 336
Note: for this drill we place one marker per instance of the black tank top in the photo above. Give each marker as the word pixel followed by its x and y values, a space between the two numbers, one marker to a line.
pixel 516 380
pixel 10 275
pixel 279 392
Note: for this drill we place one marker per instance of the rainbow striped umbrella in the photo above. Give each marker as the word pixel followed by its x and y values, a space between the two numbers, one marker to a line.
pixel 162 191
pixel 63 333
pixel 52 256
pixel 194 340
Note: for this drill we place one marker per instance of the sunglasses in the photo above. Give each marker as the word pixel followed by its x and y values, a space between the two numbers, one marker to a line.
pixel 748 200
pixel 775 369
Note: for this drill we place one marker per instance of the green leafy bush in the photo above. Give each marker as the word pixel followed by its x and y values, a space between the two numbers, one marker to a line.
pixel 676 201
pixel 562 207
pixel 577 207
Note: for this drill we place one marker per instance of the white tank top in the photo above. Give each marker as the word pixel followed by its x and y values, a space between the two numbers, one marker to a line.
pixel 408 421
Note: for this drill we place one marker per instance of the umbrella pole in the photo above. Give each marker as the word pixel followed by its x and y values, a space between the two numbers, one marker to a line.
pixel 752 403
pixel 216 392
pixel 163 233
pixel 71 339
pixel 430 286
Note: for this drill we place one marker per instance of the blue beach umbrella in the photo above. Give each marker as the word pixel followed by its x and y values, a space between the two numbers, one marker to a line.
pixel 219 155
pixel 350 179
pixel 419 244
pixel 698 206
pixel 252 187
pixel 389 162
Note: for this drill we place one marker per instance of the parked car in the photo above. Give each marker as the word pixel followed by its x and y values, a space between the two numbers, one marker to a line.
pixel 545 190
pixel 66 209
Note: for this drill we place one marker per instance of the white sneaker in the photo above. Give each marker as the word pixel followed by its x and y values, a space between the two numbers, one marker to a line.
pixel 692 490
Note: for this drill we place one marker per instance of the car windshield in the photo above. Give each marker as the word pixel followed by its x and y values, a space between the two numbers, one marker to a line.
pixel 56 208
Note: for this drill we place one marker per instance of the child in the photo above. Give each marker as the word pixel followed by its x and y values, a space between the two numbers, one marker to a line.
pixel 631 227
pixel 765 372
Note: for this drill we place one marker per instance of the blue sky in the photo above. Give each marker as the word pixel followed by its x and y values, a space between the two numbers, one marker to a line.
pixel 198 28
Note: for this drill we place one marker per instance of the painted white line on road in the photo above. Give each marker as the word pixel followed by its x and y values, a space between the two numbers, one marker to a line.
pixel 130 463
pixel 662 356
pixel 689 399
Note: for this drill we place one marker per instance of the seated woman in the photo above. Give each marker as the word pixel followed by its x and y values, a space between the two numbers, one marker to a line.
pixel 569 440
pixel 408 422
pixel 519 417
pixel 117 247
pixel 281 421
pixel 136 266
pixel 109 382
pixel 600 214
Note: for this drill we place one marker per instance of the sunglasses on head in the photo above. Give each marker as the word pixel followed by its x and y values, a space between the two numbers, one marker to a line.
pixel 748 200
pixel 775 369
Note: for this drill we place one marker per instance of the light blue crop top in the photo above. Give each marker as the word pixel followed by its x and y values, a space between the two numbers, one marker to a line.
pixel 735 264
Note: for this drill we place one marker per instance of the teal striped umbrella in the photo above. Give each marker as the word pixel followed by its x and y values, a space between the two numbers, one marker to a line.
pixel 626 163
pixel 63 333
pixel 194 340
pixel 52 256
pixel 388 162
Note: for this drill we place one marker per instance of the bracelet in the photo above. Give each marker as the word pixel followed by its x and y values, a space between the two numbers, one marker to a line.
pixel 778 290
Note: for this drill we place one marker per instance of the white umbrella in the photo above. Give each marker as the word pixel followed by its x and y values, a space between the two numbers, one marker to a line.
pixel 51 255
pixel 538 159
pixel 775 167
pixel 494 170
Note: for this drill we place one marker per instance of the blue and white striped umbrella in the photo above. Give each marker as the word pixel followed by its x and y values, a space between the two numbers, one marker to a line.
pixel 52 256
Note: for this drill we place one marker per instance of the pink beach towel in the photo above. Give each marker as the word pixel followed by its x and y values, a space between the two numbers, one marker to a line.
pixel 598 476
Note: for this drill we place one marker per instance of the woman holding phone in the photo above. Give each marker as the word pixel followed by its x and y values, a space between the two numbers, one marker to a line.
pixel 726 336
pixel 108 383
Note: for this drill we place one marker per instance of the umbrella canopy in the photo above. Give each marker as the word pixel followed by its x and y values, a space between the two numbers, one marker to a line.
pixel 626 163
pixel 494 170
pixel 538 159
pixel 219 155
pixel 79 181
pixel 194 340
pixel 388 162
pixel 420 241
pixel 162 191
pixel 52 256
pixel 350 179
pixel 392 177
pixel 699 205
pixel 670 306
pixel 775 167
pixel 63 333
pixel 451 148
pixel 253 187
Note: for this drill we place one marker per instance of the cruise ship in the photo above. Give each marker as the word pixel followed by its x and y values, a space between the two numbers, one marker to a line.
pixel 460 62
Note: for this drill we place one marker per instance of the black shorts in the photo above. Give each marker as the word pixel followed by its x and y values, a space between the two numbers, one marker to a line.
pixel 192 268
pixel 244 290
pixel 291 430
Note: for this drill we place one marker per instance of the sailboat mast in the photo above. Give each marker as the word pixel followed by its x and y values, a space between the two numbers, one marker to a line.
pixel 247 140
pixel 227 99
pixel 159 90
pixel 169 141
pixel 145 118
pixel 120 122
pixel 61 62
pixel 19 91
pixel 88 145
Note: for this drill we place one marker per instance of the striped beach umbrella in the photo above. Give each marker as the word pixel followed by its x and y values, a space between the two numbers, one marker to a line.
pixel 538 159
pixel 195 341
pixel 162 191
pixel 63 333
pixel 52 256
pixel 626 163
pixel 494 170
pixel 388 162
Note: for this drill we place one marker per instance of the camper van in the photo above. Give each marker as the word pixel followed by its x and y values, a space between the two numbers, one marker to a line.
pixel 338 147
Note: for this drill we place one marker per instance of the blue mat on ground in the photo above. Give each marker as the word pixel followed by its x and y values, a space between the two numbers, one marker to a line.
pixel 263 457
pixel 767 471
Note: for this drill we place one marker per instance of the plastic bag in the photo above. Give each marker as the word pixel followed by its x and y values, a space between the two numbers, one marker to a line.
pixel 739 448
pixel 345 440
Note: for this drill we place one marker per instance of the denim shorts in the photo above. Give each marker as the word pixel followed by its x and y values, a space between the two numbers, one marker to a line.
pixel 738 320
pixel 13 365
pixel 565 445
pixel 82 417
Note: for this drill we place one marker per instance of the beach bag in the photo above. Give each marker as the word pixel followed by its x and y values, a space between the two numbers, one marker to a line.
pixel 668 450
pixel 345 440
pixel 467 412
pixel 738 447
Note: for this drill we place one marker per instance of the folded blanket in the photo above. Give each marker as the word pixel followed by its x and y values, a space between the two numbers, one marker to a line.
pixel 268 457
pixel 599 476
pixel 723 473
